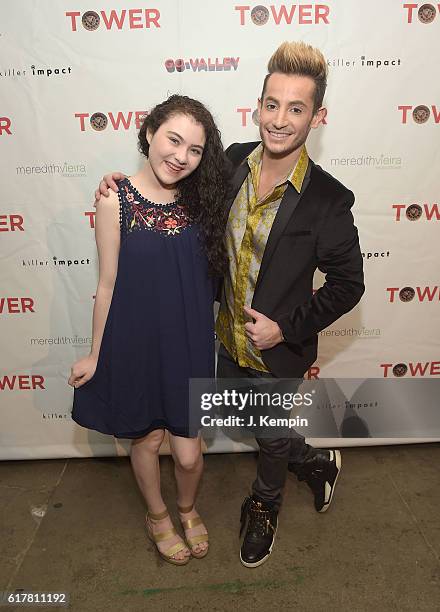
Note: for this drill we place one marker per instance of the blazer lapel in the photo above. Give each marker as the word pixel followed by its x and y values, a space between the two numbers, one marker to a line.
pixel 236 182
pixel 286 209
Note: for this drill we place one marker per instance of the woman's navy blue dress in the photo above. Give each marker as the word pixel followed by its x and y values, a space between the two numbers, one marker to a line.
pixel 159 331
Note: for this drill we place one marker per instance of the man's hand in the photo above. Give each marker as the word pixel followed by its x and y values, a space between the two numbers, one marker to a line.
pixel 264 333
pixel 108 182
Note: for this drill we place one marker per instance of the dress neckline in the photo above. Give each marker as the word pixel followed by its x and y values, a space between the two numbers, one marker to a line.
pixel 138 193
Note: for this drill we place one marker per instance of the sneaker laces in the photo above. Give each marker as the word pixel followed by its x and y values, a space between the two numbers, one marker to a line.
pixel 259 519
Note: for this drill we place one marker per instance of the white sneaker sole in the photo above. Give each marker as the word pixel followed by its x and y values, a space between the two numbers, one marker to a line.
pixel 264 559
pixel 338 465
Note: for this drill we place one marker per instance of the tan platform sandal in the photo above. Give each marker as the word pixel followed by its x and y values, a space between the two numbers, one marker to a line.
pixel 166 535
pixel 194 540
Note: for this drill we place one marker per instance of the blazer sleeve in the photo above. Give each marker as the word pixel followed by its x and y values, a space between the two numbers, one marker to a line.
pixel 339 258
pixel 230 154
pixel 230 149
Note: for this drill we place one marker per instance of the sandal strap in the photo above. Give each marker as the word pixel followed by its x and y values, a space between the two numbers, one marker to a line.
pixel 164 535
pixel 175 549
pixel 185 509
pixel 158 517
pixel 190 523
pixel 197 539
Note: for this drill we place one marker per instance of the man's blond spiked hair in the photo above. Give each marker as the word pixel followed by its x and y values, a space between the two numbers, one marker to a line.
pixel 303 60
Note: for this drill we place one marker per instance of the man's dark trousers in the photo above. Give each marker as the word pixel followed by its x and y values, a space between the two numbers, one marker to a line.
pixel 274 454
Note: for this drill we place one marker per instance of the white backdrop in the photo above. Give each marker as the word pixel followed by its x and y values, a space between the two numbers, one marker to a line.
pixel 75 78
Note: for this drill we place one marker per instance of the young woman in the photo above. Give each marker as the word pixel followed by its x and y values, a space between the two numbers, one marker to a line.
pixel 160 248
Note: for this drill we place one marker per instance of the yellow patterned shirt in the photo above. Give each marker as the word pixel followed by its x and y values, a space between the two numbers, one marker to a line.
pixel 247 231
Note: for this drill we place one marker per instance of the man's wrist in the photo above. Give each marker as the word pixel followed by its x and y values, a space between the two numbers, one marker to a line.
pixel 282 338
pixel 284 325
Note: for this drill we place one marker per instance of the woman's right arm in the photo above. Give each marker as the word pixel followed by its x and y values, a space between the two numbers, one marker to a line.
pixel 107 235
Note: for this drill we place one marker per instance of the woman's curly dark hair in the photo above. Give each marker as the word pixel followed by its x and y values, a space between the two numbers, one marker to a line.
pixel 205 190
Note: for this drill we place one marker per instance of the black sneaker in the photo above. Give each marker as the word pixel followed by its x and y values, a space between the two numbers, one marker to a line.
pixel 260 533
pixel 320 471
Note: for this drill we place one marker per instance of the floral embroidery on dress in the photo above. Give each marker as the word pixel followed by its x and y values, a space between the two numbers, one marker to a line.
pixel 140 213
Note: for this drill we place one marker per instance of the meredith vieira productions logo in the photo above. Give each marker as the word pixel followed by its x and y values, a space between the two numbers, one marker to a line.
pixel 115 120
pixel 67 169
pixel 378 161
pixel 416 294
pixel 419 114
pixel 421 13
pixel 283 14
pixel 36 71
pixel 247 114
pixel 412 368
pixel 11 223
pixel 61 340
pixel 415 212
pixel 360 333
pixel 114 19
pixel 202 64
pixel 22 382
pixel 56 262
pixel 5 126
pixel 16 305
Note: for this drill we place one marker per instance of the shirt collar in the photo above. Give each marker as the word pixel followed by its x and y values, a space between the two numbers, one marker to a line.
pixel 295 176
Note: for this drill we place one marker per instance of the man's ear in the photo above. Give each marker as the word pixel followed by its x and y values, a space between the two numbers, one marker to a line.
pixel 258 110
pixel 318 117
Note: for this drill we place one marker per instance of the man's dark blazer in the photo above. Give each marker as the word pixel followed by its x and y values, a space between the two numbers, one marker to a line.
pixel 313 229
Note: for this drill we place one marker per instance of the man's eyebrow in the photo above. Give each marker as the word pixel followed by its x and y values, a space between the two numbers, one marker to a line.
pixel 297 102
pixel 182 139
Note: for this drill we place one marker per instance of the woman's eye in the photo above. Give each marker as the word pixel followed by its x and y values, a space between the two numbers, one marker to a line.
pixel 196 151
pixel 174 140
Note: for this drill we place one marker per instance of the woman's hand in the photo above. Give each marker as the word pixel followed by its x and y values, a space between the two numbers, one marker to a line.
pixel 108 182
pixel 82 371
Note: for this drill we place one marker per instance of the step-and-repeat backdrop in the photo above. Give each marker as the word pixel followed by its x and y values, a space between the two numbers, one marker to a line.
pixel 76 78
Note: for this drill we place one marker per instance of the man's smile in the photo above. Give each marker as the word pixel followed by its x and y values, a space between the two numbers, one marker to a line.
pixel 278 135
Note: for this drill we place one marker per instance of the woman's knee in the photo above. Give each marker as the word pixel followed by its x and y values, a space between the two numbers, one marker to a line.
pixel 189 460
pixel 152 441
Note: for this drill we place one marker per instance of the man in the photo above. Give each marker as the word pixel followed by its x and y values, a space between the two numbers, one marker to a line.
pixel 287 217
